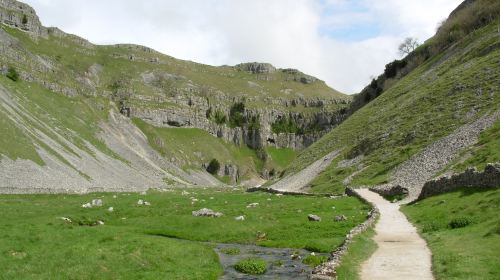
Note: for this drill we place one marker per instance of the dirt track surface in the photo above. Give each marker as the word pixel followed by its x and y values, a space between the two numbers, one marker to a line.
pixel 401 252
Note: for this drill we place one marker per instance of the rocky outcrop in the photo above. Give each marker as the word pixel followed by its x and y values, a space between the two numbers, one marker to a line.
pixel 471 178
pixel 256 67
pixel 21 16
pixel 192 112
pixel 297 76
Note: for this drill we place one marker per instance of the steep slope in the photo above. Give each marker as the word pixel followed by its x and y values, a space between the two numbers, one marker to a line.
pixel 75 116
pixel 450 91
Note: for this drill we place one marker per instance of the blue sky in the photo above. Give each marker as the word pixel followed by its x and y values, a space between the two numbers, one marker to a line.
pixel 358 27
pixel 343 42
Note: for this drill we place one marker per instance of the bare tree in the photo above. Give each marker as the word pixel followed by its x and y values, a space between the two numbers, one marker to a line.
pixel 408 45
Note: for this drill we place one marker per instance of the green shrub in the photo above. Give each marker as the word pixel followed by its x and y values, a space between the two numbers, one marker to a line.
pixel 213 167
pixel 25 19
pixel 459 222
pixel 286 125
pixel 237 115
pixel 254 122
pixel 12 74
pixel 219 117
pixel 314 261
pixel 391 69
pixel 252 266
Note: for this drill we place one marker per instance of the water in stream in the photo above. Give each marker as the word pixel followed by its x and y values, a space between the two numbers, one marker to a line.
pixel 281 265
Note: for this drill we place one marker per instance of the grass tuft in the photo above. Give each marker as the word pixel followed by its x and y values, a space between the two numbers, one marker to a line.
pixel 254 266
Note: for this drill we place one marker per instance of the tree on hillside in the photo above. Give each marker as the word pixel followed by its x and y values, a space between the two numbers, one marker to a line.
pixel 408 45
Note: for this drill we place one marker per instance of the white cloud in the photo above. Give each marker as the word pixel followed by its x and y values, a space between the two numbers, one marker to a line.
pixel 286 33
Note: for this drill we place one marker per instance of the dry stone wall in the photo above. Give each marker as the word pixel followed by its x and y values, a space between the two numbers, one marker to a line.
pixel 489 178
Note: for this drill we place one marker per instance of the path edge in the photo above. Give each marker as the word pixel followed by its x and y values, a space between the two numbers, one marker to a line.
pixel 327 270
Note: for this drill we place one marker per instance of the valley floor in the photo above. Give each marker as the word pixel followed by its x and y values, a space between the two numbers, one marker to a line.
pixel 53 236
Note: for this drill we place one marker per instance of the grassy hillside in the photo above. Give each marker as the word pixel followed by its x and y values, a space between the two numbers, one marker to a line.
pixel 463 231
pixel 71 57
pixel 162 240
pixel 76 118
pixel 451 88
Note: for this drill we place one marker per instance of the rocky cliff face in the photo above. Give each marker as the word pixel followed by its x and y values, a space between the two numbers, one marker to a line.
pixel 166 92
pixel 192 112
pixel 22 16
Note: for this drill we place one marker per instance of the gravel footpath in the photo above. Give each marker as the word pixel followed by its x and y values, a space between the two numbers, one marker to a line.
pixel 401 252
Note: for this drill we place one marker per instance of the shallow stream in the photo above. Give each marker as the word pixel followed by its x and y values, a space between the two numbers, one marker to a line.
pixel 281 265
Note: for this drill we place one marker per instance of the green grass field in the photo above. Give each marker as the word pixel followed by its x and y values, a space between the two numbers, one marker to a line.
pixel 462 229
pixel 159 241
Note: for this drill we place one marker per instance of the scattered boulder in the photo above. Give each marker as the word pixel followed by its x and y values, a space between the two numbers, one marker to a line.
pixel 100 223
pixel 240 218
pixel 68 220
pixel 143 202
pixel 205 212
pixel 97 202
pixel 111 209
pixel 340 218
pixel 253 205
pixel 93 203
pixel 313 218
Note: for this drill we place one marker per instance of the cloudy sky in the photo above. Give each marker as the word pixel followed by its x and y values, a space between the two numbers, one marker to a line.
pixel 344 42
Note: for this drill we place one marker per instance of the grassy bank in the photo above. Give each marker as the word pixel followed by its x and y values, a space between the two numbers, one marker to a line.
pixel 160 240
pixel 462 230
pixel 360 250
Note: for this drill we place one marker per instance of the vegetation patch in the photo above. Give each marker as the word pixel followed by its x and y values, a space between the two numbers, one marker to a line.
pixel 360 250
pixel 313 260
pixel 213 167
pixel 286 125
pixel 231 251
pixel 254 266
pixel 12 74
pixel 459 222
